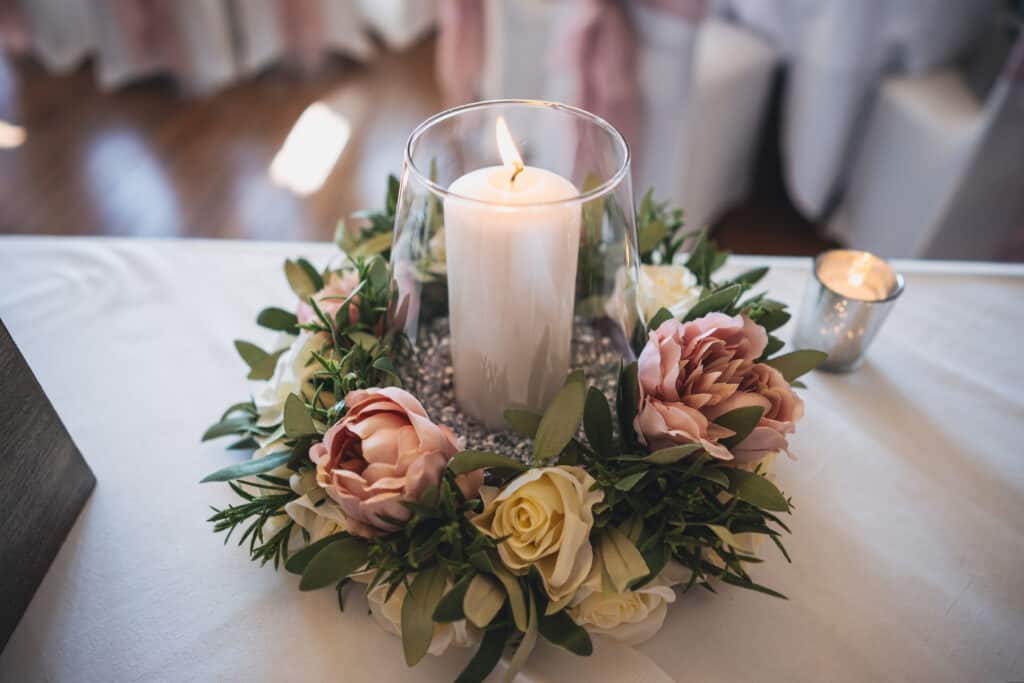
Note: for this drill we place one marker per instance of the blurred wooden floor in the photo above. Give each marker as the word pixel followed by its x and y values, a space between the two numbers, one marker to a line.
pixel 146 161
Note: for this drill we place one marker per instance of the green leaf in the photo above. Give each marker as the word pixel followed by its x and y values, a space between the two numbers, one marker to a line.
pixel 449 608
pixel 372 245
pixel 523 422
pixel 526 645
pixel 264 368
pixel 714 474
pixel 377 273
pixel 724 534
pixel 249 467
pixel 417 612
pixel 623 563
pixel 721 300
pixel 342 237
pixel 297 421
pixel 299 560
pixel 483 600
pixel 231 425
pixel 650 235
pixel 560 629
pixel 797 384
pixel 364 339
pixel 661 316
pixel 742 421
pixel 391 199
pixel 299 280
pixel 334 562
pixel 756 490
pixel 314 275
pixel 797 363
pixel 597 423
pixel 516 599
pixel 665 456
pixel 751 277
pixel 630 480
pixel 750 585
pixel 249 352
pixel 628 401
pixel 467 461
pixel 561 419
pixel 384 364
pixel 274 318
pixel 487 655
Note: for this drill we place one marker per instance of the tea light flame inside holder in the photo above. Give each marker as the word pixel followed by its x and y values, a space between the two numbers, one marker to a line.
pixel 845 304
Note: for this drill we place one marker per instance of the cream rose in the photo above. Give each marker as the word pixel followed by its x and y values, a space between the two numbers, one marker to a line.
pixel 388 615
pixel 312 510
pixel 292 375
pixel 671 287
pixel 545 516
pixel 630 617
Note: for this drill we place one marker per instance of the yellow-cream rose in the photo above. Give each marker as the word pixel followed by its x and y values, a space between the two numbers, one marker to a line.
pixel 388 615
pixel 630 617
pixel 545 516
pixel 671 287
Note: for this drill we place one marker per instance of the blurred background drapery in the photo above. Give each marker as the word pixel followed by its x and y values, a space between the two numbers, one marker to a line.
pixel 897 124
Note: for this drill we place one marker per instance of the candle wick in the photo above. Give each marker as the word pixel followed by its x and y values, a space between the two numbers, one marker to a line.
pixel 519 169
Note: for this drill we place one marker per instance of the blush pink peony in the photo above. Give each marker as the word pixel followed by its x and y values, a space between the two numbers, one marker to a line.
pixel 336 289
pixel 693 373
pixel 384 451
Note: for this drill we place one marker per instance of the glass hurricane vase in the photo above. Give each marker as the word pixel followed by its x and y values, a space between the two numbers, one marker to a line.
pixel 514 260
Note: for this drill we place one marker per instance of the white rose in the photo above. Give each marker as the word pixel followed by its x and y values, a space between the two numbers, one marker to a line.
pixel 544 516
pixel 313 511
pixel 388 616
pixel 630 617
pixel 671 287
pixel 292 375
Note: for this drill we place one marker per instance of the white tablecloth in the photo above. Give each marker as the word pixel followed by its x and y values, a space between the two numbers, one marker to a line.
pixel 909 491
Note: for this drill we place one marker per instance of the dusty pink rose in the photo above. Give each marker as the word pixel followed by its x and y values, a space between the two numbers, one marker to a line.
pixel 331 297
pixel 692 373
pixel 385 450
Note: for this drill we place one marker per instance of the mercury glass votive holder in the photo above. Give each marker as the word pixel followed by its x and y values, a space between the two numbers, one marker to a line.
pixel 845 304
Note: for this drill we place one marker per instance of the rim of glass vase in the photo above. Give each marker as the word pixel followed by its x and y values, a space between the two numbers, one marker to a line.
pixel 601 189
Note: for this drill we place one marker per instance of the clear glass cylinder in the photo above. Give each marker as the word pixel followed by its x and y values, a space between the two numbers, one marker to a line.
pixel 514 258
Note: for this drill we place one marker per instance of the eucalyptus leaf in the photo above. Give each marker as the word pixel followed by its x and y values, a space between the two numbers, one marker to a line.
pixel 297 421
pixel 516 599
pixel 263 369
pixel 796 363
pixel 661 316
pixel 231 425
pixel 714 474
pixel 623 563
pixel 384 364
pixel 560 629
pixel 522 422
pixel 526 645
pixel 334 562
pixel 627 482
pixel 597 423
pixel 364 339
pixel 627 401
pixel 467 461
pixel 274 318
pixel 561 419
pixel 720 300
pixel 449 608
pixel 483 600
pixel 756 490
pixel 249 352
pixel 249 467
pixel 492 645
pixel 650 235
pixel 299 280
pixel 299 560
pixel 418 610
pixel 372 245
pixel 312 273
pixel 665 456
pixel 751 277
pixel 741 421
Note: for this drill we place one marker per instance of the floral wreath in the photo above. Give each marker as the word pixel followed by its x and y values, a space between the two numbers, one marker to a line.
pixel 350 482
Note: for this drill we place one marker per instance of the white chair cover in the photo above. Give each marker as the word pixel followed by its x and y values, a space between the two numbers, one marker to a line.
pixel 938 173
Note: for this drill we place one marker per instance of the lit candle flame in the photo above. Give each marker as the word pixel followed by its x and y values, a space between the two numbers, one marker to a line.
pixel 507 148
